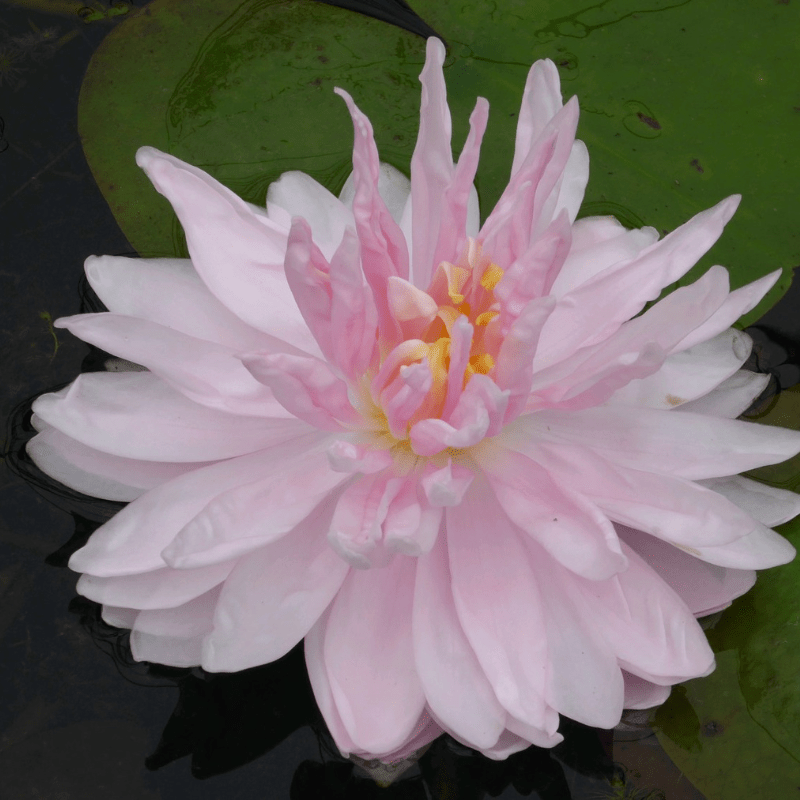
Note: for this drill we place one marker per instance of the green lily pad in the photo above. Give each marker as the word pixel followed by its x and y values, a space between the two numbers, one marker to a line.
pixel 244 91
pixel 682 104
pixel 736 733
pixel 723 751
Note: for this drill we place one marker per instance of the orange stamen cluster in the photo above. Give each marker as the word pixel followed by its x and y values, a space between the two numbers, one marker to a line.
pixel 457 290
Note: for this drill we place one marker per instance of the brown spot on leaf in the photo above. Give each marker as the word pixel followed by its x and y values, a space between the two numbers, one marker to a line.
pixel 696 164
pixel 649 121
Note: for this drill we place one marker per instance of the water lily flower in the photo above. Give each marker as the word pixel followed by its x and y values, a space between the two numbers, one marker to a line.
pixel 474 466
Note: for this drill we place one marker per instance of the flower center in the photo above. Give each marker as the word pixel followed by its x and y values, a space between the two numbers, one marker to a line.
pixel 457 293
pixel 448 335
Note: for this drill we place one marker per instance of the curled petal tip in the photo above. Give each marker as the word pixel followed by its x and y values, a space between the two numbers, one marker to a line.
pixel 146 155
pixel 731 203
pixel 435 50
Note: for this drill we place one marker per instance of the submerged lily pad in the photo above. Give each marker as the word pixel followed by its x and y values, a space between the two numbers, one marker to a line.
pixel 682 104
pixel 720 747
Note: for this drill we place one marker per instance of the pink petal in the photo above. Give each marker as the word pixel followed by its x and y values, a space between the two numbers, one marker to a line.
pixel 662 326
pixel 207 373
pixel 730 398
pixel 446 486
pixel 99 474
pixel 132 540
pixel 119 617
pixel 394 187
pixel 161 588
pixel 674 509
pixel 514 365
pixel 238 254
pixel 345 456
pixel 455 203
pixel 412 524
pixel 369 656
pixel 174 636
pixel 182 622
pixel 410 306
pixel 531 275
pixel 479 412
pixel 569 192
pixel 685 445
pixel 688 374
pixel 541 101
pixel 461 336
pixel 274 596
pixel 384 251
pixel 354 316
pixel 556 516
pixel 246 517
pixel 499 605
pixel 523 208
pixel 168 291
pixel 649 627
pixel 307 274
pixel 567 386
pixel 404 396
pixel 640 694
pixel 599 243
pixel 510 743
pixel 333 299
pixel 431 165
pixel 407 352
pixel 767 504
pixel 137 415
pixel 596 308
pixel 313 645
pixel 423 733
pixel 299 195
pixel 486 391
pixel 356 531
pixel 584 681
pixel 761 549
pixel 738 302
pixel 454 683
pixel 704 588
pixel 431 436
pixel 304 386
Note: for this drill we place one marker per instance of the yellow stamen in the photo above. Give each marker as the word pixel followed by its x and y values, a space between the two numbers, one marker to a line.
pixel 481 363
pixel 439 361
pixel 448 315
pixel 491 277
pixel 486 317
pixel 456 278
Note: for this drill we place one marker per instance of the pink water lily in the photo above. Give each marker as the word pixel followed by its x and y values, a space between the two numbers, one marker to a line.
pixel 460 460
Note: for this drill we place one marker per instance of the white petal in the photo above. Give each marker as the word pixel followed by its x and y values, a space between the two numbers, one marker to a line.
pixel 290 583
pixel 301 196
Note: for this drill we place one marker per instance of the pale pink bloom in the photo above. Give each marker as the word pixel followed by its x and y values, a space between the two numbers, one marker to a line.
pixel 462 461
